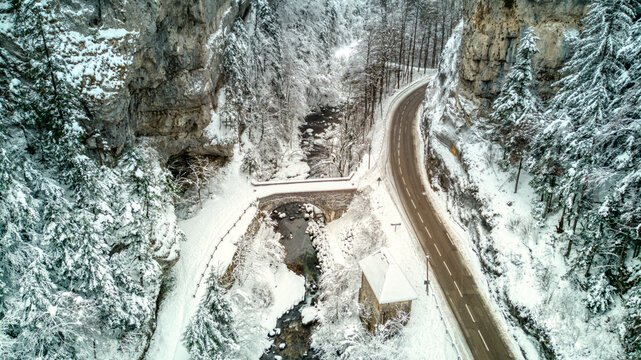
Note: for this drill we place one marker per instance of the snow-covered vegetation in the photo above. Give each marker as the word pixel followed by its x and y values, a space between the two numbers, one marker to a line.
pixel 288 58
pixel 83 245
pixel 547 189
pixel 560 250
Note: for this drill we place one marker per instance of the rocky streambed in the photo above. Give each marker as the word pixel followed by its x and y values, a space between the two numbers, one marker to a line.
pixel 317 131
pixel 292 335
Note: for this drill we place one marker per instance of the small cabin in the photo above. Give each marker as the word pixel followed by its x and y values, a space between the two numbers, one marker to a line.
pixel 384 291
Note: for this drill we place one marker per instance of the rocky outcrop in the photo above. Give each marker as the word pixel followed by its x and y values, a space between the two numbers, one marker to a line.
pixel 172 73
pixel 491 36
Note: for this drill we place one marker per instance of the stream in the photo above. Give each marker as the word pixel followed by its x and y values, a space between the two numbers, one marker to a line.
pixel 313 133
pixel 300 257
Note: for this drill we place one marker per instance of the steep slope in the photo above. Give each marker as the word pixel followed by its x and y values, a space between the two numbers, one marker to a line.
pixel 516 242
pixel 491 35
pixel 171 69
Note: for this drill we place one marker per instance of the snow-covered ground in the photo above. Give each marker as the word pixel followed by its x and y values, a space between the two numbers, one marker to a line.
pixel 213 235
pixel 203 232
pixel 533 271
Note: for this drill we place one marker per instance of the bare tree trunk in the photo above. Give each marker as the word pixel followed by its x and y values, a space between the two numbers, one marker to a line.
pixel 559 227
pixel 427 47
pixel 400 53
pixel 518 175
pixel 443 17
pixel 413 46
pixel 434 44
pixel 592 253
pixel 576 220
pixel 420 51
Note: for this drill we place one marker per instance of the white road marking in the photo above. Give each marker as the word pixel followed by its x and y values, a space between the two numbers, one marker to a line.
pixel 413 204
pixel 484 343
pixel 402 178
pixel 428 232
pixel 469 312
pixel 449 238
pixel 448 269
pixel 407 191
pixel 420 217
pixel 457 289
pixel 439 251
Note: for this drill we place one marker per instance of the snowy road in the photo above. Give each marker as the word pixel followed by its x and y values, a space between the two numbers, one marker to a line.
pixel 474 317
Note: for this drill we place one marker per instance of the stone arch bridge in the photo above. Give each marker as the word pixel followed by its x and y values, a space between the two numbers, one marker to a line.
pixel 333 203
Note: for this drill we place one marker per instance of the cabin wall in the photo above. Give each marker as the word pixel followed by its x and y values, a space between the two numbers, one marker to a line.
pixel 373 313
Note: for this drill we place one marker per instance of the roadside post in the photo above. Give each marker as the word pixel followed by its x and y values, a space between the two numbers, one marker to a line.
pixel 427 282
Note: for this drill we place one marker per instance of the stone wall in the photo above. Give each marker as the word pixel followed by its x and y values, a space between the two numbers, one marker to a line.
pixel 370 308
pixel 491 36
pixel 373 313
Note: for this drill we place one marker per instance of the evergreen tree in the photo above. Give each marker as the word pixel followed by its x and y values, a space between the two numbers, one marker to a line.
pixel 210 334
pixel 516 109
pixel 600 294
pixel 626 195
pixel 569 157
pixel 74 267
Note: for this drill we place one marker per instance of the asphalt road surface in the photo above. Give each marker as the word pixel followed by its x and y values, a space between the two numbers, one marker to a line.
pixel 446 263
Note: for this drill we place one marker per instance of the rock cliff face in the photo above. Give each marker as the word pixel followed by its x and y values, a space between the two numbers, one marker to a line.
pixel 491 36
pixel 172 73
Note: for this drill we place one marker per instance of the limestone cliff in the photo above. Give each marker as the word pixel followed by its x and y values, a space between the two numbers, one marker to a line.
pixel 491 36
pixel 171 73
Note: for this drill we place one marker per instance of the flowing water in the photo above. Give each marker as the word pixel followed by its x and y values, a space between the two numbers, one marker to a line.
pixel 300 257
pixel 312 134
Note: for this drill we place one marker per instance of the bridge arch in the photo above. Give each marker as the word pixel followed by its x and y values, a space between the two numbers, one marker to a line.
pixel 333 204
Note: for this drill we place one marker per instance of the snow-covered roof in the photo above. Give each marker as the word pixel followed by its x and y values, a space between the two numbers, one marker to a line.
pixel 386 278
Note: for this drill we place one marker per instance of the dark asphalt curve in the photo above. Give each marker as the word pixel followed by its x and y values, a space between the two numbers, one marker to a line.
pixel 446 263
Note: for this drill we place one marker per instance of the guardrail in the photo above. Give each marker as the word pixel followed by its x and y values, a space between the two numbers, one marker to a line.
pixel 302 181
pixel 211 257
pixel 447 332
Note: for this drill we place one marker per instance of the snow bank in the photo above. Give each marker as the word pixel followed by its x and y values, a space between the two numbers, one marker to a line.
pixel 203 233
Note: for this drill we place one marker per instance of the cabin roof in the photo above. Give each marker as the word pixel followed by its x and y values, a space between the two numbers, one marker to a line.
pixel 386 278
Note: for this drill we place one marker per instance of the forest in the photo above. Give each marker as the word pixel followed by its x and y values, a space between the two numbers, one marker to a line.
pixel 89 228
pixel 88 231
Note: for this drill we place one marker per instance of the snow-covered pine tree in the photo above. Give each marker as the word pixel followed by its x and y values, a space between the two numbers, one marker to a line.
pixel 67 281
pixel 516 109
pixel 633 318
pixel 588 152
pixel 569 158
pixel 600 295
pixel 210 334
pixel 237 63
pixel 626 194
